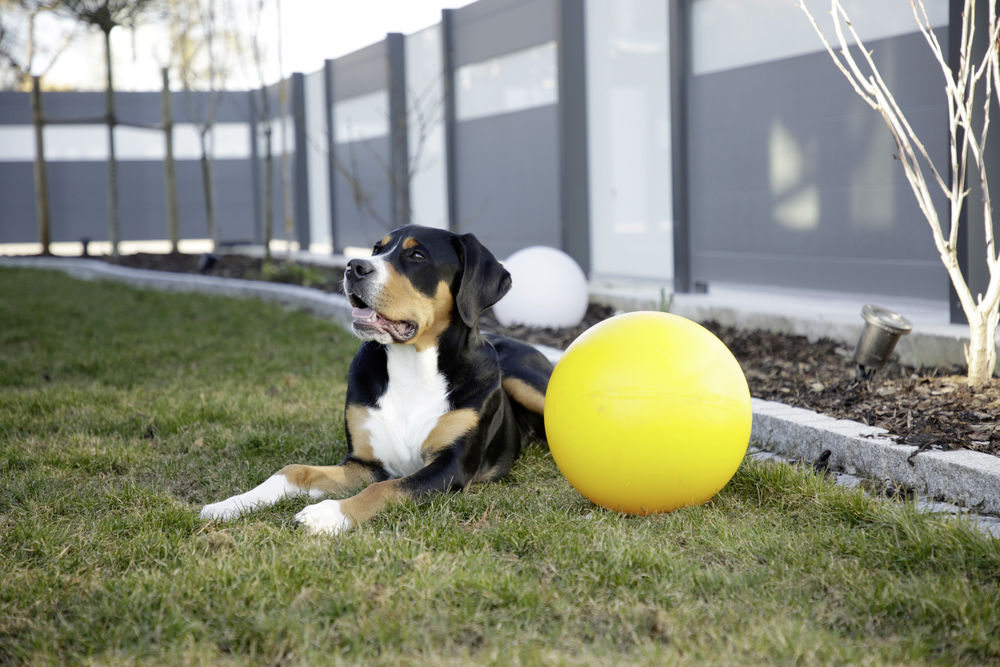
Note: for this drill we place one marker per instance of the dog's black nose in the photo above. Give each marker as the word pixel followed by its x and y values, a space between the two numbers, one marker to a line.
pixel 359 268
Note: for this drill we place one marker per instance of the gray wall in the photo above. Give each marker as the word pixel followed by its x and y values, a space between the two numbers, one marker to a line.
pixel 507 178
pixel 364 163
pixel 867 234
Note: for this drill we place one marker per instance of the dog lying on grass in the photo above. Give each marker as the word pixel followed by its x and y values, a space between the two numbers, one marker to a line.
pixel 432 404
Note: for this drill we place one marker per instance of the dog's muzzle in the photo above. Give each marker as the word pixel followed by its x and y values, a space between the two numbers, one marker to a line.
pixel 363 292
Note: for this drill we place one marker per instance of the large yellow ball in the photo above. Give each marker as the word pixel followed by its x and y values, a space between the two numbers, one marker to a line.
pixel 647 412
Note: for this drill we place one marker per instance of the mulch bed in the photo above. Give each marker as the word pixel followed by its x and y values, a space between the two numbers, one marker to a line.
pixel 928 407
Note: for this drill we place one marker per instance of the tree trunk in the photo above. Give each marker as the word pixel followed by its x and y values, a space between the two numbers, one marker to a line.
pixel 41 181
pixel 286 168
pixel 114 230
pixel 206 186
pixel 980 354
pixel 268 187
pixel 169 174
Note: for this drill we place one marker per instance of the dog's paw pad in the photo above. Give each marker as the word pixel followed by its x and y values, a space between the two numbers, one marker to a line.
pixel 324 518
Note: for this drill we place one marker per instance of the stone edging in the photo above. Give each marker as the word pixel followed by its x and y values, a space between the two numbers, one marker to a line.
pixel 969 478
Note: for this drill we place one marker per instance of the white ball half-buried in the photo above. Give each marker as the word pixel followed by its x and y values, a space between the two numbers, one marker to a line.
pixel 549 289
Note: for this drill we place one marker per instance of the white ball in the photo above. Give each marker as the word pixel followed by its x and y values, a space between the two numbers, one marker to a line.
pixel 549 289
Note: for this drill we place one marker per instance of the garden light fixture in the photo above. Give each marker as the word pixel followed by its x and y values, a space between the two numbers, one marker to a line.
pixel 882 329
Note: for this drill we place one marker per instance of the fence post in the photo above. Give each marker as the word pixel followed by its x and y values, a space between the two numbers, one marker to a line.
pixel 300 169
pixel 574 171
pixel 114 228
pixel 285 166
pixel 448 76
pixel 399 149
pixel 258 224
pixel 41 181
pixel 169 175
pixel 331 142
pixel 679 52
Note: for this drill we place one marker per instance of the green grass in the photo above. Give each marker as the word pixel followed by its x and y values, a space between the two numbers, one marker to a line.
pixel 122 412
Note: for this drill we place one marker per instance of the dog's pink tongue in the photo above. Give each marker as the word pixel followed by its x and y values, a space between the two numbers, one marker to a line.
pixel 364 314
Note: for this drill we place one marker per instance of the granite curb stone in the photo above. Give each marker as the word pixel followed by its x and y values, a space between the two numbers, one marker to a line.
pixel 969 478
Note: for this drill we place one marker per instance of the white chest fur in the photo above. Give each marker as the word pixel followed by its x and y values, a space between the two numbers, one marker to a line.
pixel 409 409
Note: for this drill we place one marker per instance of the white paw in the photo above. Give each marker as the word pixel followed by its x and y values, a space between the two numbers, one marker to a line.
pixel 224 510
pixel 273 489
pixel 324 517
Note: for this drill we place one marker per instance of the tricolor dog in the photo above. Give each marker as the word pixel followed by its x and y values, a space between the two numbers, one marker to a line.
pixel 432 403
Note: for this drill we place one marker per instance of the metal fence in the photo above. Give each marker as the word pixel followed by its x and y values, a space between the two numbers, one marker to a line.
pixel 650 140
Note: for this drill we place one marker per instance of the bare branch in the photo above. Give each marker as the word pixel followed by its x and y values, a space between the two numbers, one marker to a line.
pixel 967 136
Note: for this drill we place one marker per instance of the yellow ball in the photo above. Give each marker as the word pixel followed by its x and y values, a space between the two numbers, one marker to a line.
pixel 647 412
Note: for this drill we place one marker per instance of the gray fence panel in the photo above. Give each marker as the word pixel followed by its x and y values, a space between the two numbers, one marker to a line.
pixel 234 201
pixel 196 107
pixel 68 106
pixel 78 189
pixel 141 200
pixel 367 163
pixel 507 175
pixel 868 234
pixel 78 201
pixel 506 166
pixel 17 212
pixel 273 93
pixel 490 28
pixel 363 71
pixel 15 108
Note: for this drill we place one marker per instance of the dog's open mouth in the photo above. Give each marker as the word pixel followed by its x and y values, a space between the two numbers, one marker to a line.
pixel 367 323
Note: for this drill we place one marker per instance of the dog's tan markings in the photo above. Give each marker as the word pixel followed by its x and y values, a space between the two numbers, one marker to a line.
pixel 327 479
pixel 386 240
pixel 410 243
pixel 449 428
pixel 490 474
pixel 523 393
pixel 355 416
pixel 371 500
pixel 400 300
pixel 429 334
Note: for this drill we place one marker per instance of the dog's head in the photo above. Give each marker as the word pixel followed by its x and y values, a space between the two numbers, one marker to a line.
pixel 418 282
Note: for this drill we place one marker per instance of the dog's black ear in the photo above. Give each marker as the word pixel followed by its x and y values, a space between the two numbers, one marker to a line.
pixel 483 281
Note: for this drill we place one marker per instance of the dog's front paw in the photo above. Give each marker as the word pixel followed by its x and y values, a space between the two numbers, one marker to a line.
pixel 224 510
pixel 324 517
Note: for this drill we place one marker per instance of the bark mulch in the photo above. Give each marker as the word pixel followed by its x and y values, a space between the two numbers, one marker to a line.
pixel 927 407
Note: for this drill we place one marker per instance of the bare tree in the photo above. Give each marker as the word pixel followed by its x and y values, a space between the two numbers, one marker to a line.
pixel 107 15
pixel 263 115
pixel 204 38
pixel 974 78
pixel 426 110
pixel 22 53
pixel 211 44
pixel 286 165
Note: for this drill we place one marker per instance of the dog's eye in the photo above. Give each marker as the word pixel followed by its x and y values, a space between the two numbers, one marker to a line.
pixel 377 248
pixel 417 255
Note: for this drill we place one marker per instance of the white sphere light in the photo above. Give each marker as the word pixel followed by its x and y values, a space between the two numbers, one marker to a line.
pixel 549 289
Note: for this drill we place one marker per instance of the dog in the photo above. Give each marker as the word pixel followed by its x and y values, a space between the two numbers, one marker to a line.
pixel 433 405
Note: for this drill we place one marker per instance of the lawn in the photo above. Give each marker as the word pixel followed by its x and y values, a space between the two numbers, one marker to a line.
pixel 123 411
